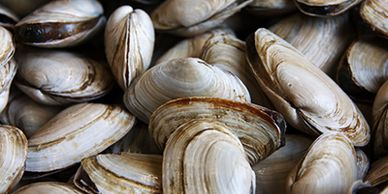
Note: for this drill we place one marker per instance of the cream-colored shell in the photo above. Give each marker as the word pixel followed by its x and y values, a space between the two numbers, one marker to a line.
pixel 48 187
pixel 374 13
pixel 8 66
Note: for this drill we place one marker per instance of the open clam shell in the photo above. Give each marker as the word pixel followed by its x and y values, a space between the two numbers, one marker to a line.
pixel 322 40
pixel 324 8
pixel 374 14
pixel 190 18
pixel 364 68
pixel 54 77
pixel 309 100
pixel 330 166
pixel 124 173
pixel 129 43
pixel 13 154
pixel 48 187
pixel 380 117
pixel 77 132
pixel 260 130
pixel 205 157
pixel 179 78
pixel 61 23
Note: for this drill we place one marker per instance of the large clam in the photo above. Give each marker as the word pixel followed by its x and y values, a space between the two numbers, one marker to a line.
pixel 205 157
pixel 380 117
pixel 324 8
pixel 330 166
pixel 60 77
pixel 260 130
pixel 124 173
pixel 322 40
pixel 48 187
pixel 306 96
pixel 364 68
pixel 189 18
pixel 13 153
pixel 374 14
pixel 129 42
pixel 77 132
pixel 182 77
pixel 61 23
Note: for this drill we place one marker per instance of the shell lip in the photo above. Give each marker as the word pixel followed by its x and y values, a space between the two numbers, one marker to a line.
pixel 326 10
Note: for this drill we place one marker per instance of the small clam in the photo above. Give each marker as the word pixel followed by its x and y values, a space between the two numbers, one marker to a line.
pixel 364 68
pixel 309 100
pixel 77 132
pixel 322 40
pixel 54 77
pixel 380 117
pixel 7 18
pixel 13 153
pixel 124 173
pixel 324 8
pixel 374 14
pixel 190 18
pixel 271 7
pixel 61 23
pixel 205 157
pixel 260 130
pixel 129 42
pixel 26 114
pixel 330 166
pixel 48 187
pixel 178 78
pixel 272 172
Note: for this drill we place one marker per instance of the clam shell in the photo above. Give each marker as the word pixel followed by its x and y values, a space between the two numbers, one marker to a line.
pixel 205 157
pixel 364 68
pixel 48 187
pixel 61 23
pixel 129 42
pixel 77 132
pixel 271 7
pixel 380 117
pixel 190 18
pixel 330 166
pixel 306 96
pixel 374 13
pixel 178 78
pixel 13 153
pixel 322 40
pixel 124 173
pixel 259 129
pixel 324 8
pixel 59 77
pixel 272 172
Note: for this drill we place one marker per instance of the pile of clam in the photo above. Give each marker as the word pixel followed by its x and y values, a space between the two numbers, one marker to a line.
pixel 194 96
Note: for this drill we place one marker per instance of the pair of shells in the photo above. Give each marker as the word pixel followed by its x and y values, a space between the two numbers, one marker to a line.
pixel 61 23
pixel 61 77
pixel 307 97
pixel 190 18
pixel 8 66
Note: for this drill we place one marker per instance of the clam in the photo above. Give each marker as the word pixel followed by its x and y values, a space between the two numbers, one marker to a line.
pixel 323 8
pixel 270 7
pixel 322 40
pixel 26 114
pixel 13 152
pixel 364 68
pixel 8 66
pixel 190 18
pixel 48 187
pixel 77 132
pixel 260 130
pixel 272 172
pixel 380 117
pixel 378 174
pixel 7 18
pixel 205 157
pixel 129 42
pixel 309 100
pixel 61 23
pixel 330 166
pixel 60 77
pixel 374 14
pixel 182 77
pixel 124 173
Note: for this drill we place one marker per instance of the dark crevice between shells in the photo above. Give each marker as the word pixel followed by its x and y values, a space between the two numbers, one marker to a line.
pixel 328 10
pixel 50 31
pixel 6 20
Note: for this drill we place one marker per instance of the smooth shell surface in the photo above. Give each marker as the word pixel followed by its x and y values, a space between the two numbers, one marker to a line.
pixel 48 187
pixel 77 132
pixel 309 100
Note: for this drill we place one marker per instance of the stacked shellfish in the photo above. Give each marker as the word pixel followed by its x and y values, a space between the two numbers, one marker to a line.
pixel 151 96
